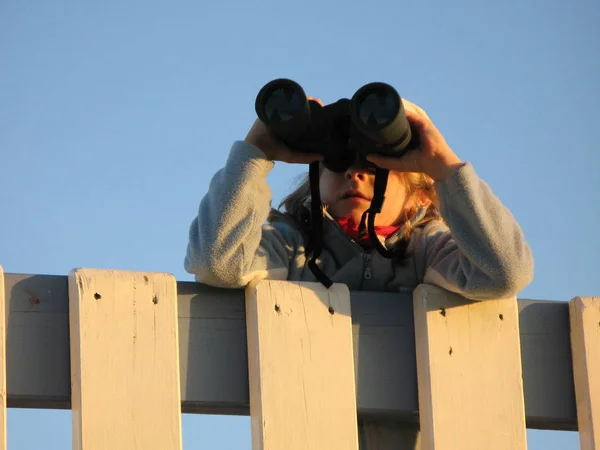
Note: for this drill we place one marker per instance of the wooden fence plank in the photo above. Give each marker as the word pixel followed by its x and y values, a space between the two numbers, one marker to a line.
pixel 214 370
pixel 585 345
pixel 301 368
pixel 124 360
pixel 469 371
pixel 3 430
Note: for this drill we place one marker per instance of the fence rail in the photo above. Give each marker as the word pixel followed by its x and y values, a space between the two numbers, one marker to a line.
pixel 212 328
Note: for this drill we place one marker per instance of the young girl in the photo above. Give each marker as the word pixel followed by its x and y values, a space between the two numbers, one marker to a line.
pixel 450 229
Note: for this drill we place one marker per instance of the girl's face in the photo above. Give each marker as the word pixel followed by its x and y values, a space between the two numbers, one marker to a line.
pixel 350 193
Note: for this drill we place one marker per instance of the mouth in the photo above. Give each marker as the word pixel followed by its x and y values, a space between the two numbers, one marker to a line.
pixel 355 195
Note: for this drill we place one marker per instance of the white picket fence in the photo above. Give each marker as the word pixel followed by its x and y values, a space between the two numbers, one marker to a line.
pixel 316 368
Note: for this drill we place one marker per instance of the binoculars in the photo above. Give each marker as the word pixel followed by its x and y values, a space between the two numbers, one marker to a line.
pixel 372 121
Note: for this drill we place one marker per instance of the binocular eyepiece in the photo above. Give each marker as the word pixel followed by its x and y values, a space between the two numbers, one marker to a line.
pixel 372 121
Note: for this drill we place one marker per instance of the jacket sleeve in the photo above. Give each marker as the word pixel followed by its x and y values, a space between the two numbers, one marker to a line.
pixel 229 241
pixel 484 254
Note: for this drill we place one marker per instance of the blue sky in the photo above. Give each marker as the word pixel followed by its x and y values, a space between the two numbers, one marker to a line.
pixel 115 115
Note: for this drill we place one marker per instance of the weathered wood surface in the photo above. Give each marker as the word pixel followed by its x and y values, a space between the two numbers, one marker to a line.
pixel 213 354
pixel 585 344
pixel 300 356
pixel 125 361
pixel 469 372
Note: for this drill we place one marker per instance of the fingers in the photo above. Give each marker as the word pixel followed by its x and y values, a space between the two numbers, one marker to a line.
pixel 302 158
pixel 428 133
pixel 307 158
pixel 414 108
pixel 417 120
pixel 315 99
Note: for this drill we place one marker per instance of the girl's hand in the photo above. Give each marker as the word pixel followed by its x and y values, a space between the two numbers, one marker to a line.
pixel 433 157
pixel 275 150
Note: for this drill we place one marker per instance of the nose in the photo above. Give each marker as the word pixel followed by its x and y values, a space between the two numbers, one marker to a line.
pixel 358 173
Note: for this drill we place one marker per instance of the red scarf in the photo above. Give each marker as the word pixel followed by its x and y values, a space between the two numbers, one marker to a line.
pixel 350 227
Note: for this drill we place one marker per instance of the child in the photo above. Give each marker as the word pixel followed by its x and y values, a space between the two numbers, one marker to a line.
pixel 447 225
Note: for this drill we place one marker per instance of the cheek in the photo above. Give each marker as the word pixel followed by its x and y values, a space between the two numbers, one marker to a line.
pixel 327 186
pixel 396 194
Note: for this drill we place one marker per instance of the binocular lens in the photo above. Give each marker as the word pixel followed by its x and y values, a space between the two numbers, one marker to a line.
pixel 378 107
pixel 378 112
pixel 282 104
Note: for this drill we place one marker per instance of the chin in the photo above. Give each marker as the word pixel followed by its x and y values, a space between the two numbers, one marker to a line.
pixel 355 212
pixel 356 215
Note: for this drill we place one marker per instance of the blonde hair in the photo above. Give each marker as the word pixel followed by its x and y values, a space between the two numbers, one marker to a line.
pixel 417 183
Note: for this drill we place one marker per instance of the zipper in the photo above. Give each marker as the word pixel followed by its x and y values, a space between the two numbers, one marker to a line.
pixel 367 258
pixel 337 225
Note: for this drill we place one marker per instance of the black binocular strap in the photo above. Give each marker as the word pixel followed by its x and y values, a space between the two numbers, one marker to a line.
pixel 367 221
pixel 316 232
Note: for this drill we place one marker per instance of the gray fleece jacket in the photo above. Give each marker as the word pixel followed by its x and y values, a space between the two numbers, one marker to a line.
pixel 478 251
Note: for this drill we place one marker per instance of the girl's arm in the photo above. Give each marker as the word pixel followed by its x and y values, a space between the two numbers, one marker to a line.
pixel 228 241
pixel 484 255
